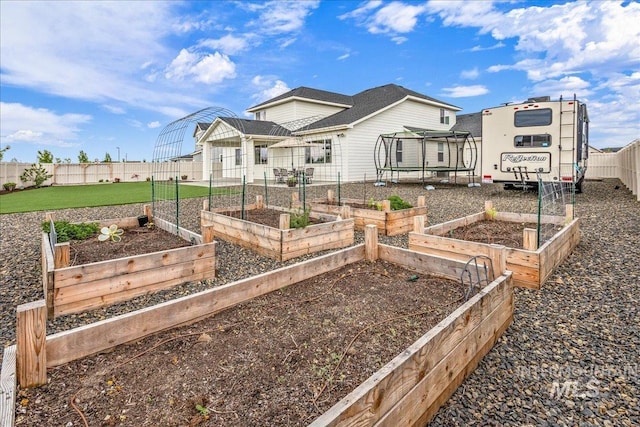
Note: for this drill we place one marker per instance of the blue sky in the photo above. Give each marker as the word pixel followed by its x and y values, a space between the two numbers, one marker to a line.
pixel 95 76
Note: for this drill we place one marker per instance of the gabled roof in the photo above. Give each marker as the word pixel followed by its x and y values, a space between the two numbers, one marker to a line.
pixel 469 122
pixel 370 101
pixel 309 94
pixel 256 127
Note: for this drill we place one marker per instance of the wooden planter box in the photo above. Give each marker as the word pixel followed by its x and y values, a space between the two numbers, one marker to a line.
pixel 531 267
pixel 282 243
pixel 406 391
pixel 388 222
pixel 85 287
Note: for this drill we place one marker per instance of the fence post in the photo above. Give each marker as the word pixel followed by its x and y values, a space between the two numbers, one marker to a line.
pixel 285 221
pixel 530 239
pixel 31 348
pixel 371 242
pixel 569 213
pixel 498 255
pixel 61 255
pixel 207 233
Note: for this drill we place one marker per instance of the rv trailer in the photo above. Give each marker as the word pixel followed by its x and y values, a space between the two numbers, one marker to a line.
pixel 538 137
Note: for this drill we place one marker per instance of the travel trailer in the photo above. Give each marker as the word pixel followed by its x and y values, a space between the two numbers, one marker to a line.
pixel 539 137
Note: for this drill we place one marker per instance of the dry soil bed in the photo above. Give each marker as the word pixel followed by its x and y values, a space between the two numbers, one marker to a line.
pixel 493 232
pixel 264 216
pixel 135 241
pixel 280 359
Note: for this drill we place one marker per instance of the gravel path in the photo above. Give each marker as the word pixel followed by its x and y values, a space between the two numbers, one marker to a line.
pixel 570 357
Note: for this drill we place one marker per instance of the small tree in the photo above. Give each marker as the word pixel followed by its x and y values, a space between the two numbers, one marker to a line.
pixel 2 150
pixel 45 156
pixel 107 158
pixel 36 174
pixel 82 157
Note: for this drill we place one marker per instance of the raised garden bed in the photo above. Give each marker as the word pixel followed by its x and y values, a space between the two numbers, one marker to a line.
pixel 267 342
pixel 282 242
pixel 389 222
pixel 72 285
pixel 531 266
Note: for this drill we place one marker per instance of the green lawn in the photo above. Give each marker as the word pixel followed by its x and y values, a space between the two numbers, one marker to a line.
pixel 79 196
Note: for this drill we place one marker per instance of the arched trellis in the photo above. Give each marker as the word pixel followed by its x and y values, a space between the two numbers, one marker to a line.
pixel 169 150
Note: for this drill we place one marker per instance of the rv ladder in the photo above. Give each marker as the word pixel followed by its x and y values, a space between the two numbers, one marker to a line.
pixel 566 146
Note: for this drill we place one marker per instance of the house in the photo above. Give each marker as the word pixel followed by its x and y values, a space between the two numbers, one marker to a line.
pixel 331 132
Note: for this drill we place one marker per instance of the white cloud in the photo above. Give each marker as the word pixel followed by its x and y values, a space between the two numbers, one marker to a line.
pixel 492 47
pixel 343 57
pixel 210 68
pixel 565 87
pixel 114 110
pixel 387 18
pixel 90 51
pixel 154 125
pixel 465 91
pixel 470 74
pixel 267 88
pixel 228 44
pixel 277 17
pixel 25 124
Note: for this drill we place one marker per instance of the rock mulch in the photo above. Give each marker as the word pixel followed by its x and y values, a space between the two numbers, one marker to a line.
pixel 570 357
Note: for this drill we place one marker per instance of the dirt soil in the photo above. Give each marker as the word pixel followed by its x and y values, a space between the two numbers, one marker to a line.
pixel 135 241
pixel 280 359
pixel 497 232
pixel 265 216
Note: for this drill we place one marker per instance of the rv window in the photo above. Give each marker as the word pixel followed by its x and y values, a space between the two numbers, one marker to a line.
pixel 532 140
pixel 533 118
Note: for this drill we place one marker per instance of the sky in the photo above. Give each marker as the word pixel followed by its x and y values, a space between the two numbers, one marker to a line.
pixel 107 77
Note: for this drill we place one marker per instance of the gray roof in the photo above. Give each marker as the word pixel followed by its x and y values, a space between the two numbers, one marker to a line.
pixel 256 127
pixel 368 102
pixel 470 123
pixel 309 93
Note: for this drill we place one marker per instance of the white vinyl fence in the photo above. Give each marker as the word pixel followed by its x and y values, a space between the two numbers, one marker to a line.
pixel 91 173
pixel 624 164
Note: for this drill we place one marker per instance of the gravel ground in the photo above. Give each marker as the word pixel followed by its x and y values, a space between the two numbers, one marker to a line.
pixel 569 358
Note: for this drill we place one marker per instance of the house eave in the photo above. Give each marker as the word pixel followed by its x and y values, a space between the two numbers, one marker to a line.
pixel 296 98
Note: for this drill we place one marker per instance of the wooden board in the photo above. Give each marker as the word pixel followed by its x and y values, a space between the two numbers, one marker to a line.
pixel 8 387
pixel 71 276
pixel 70 345
pixel 409 384
pixel 280 244
pixel 445 227
pixel 428 264
pixel 558 248
pixel 183 233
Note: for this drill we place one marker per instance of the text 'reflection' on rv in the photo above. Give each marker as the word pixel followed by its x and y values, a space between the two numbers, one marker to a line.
pixel 538 137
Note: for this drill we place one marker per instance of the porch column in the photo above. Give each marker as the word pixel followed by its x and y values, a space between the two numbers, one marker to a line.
pixel 249 158
pixel 206 160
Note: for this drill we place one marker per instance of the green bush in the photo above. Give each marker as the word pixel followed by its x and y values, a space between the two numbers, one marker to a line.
pixel 9 186
pixel 397 203
pixel 299 219
pixel 67 231
pixel 37 174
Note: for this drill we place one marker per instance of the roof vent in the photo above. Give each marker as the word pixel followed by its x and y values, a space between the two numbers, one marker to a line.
pixel 539 99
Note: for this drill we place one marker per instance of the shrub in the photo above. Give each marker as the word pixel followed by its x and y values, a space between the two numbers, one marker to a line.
pixel 67 231
pixel 116 179
pixel 37 174
pixel 300 219
pixel 9 186
pixel 397 203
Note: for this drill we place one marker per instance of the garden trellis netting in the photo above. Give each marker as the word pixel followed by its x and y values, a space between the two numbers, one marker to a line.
pixel 170 148
pixel 553 197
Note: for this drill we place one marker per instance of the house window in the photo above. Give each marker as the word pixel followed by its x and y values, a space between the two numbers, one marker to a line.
pixel 261 115
pixel 444 118
pixel 318 152
pixel 238 157
pixel 399 151
pixel 540 117
pixel 260 154
pixel 543 140
pixel 440 151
